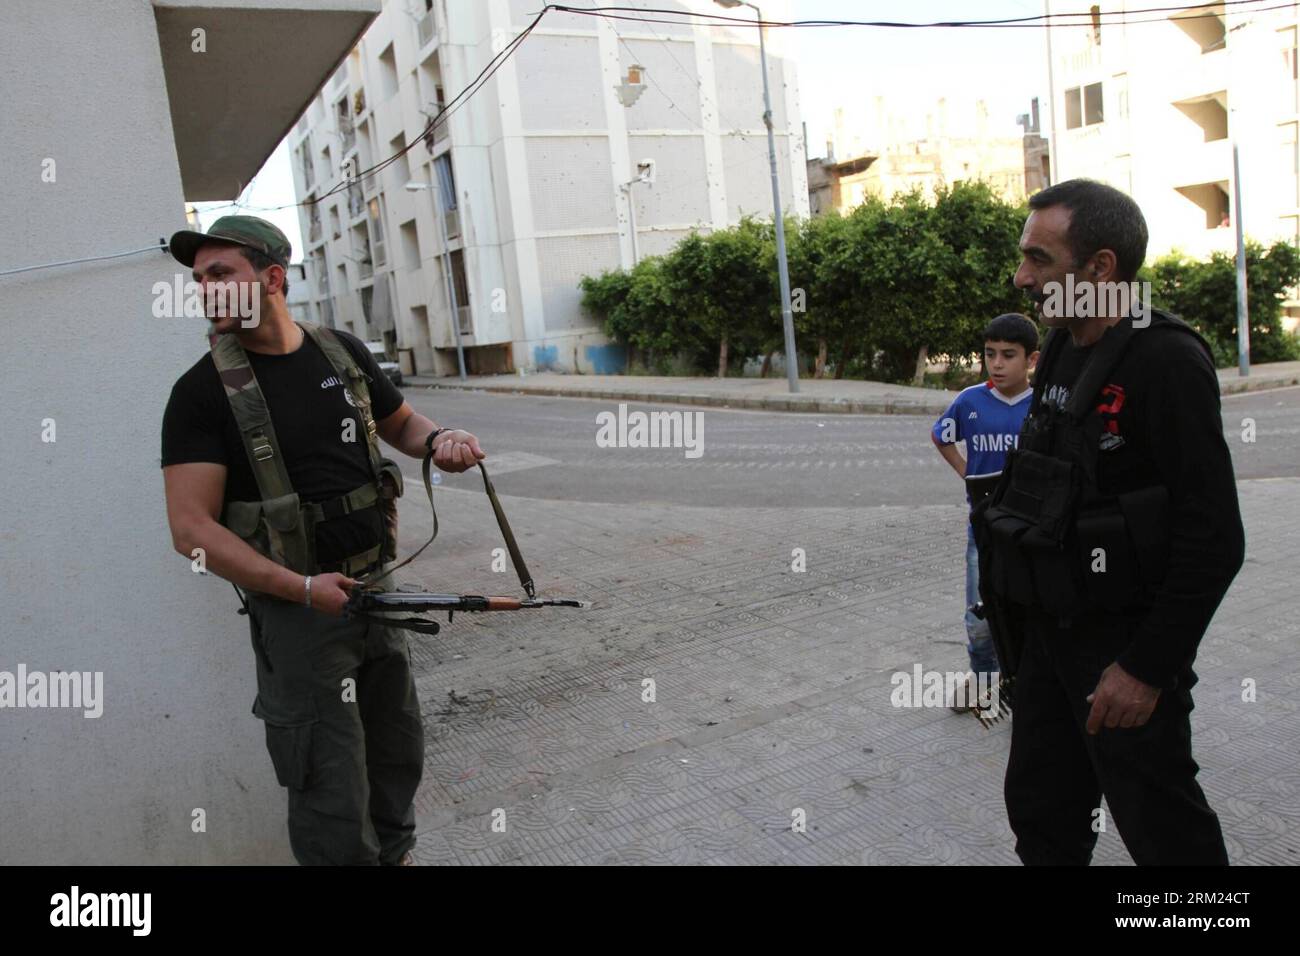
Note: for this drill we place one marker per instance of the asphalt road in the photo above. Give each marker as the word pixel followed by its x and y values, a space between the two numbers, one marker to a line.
pixel 546 448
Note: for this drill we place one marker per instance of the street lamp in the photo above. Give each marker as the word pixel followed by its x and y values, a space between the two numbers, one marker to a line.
pixel 645 173
pixel 782 267
pixel 416 186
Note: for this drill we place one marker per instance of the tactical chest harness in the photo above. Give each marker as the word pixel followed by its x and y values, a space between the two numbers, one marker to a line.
pixel 1048 537
pixel 280 526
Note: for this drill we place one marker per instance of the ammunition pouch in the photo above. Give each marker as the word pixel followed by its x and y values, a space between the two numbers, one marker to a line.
pixel 1042 547
pixel 390 489
pixel 277 528
pixel 283 529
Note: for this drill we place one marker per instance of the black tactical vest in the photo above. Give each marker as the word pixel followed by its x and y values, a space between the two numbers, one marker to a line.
pixel 1048 538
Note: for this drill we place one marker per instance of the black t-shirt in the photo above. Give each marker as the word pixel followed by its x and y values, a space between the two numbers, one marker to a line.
pixel 1162 424
pixel 308 404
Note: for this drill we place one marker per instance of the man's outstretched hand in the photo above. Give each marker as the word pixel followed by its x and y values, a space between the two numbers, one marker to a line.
pixel 1120 700
pixel 456 450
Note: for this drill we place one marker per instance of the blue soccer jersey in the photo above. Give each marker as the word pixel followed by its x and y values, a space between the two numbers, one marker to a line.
pixel 988 422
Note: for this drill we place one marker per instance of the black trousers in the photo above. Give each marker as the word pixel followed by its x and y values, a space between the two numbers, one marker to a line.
pixel 1057 772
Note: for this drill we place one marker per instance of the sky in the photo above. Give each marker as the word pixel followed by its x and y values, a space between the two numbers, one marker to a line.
pixel 837 67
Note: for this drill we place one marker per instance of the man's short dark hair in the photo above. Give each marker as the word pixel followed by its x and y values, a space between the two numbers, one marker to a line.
pixel 1101 217
pixel 1014 328
pixel 260 260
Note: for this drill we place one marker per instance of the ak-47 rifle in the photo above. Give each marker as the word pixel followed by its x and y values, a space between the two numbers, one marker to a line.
pixel 1005 620
pixel 365 604
pixel 367 600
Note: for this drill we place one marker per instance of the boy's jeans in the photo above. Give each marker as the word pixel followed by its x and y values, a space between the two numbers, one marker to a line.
pixel 979 642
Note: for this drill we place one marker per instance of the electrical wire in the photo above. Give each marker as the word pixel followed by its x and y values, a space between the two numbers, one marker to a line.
pixel 69 262
pixel 1037 22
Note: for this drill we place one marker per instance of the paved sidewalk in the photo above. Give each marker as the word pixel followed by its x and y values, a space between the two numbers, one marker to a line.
pixel 772 690
pixel 771 394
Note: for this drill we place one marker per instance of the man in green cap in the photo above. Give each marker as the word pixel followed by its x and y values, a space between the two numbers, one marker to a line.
pixel 274 480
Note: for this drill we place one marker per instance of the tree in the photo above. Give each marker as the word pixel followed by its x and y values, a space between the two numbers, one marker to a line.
pixel 1205 294
pixel 719 282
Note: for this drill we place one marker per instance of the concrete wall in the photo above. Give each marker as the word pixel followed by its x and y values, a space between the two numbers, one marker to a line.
pixel 88 578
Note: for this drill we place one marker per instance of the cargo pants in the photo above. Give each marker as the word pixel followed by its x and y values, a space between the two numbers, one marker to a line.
pixel 343 729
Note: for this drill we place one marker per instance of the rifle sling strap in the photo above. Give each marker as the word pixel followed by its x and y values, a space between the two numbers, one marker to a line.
pixel 516 556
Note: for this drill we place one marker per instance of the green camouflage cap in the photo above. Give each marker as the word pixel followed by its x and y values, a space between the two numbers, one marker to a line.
pixel 241 230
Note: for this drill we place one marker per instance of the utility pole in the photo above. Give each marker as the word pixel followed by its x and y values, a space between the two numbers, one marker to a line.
pixel 1243 307
pixel 782 267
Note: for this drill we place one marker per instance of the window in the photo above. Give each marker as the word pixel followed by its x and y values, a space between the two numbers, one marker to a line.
pixel 1120 85
pixel 1290 89
pixel 1083 106
pixel 388 72
pixel 447 194
pixel 410 245
pixel 304 156
pixel 401 167
pixel 462 291
pixel 1289 165
pixel 1092 107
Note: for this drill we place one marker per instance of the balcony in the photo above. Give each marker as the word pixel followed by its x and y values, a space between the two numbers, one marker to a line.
pixel 465 322
pixel 314 231
pixel 451 219
pixel 379 255
pixel 426 30
pixel 348 137
pixel 356 201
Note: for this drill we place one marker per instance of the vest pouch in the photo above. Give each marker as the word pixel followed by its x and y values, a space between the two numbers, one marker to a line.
pixel 1058 588
pixel 1044 490
pixel 390 489
pixel 243 518
pixel 1009 575
pixel 289 533
pixel 1106 558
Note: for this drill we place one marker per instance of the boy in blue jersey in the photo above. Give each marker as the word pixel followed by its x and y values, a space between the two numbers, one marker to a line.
pixel 987 417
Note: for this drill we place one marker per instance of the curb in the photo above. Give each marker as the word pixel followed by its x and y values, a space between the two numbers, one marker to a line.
pixel 1238 386
pixel 787 403
pixel 770 403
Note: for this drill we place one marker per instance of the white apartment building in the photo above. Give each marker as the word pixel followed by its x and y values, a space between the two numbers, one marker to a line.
pixel 1153 108
pixel 528 185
